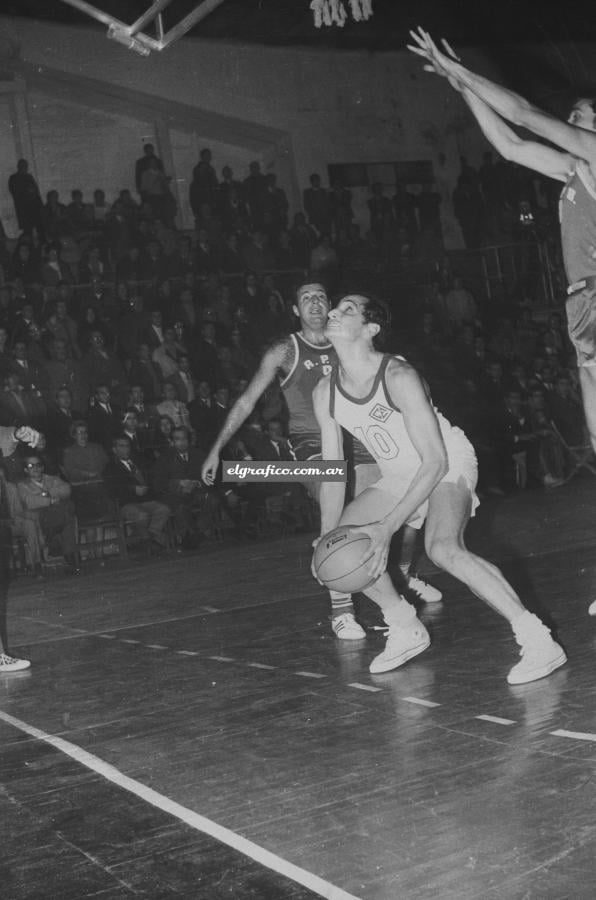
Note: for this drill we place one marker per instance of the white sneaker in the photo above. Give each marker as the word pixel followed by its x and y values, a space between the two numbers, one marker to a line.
pixel 592 609
pixel 538 659
pixel 12 664
pixel 402 644
pixel 424 591
pixel 346 628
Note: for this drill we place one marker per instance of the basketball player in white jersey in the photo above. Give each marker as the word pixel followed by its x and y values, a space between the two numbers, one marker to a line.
pixel 299 360
pixel 428 471
pixel 572 160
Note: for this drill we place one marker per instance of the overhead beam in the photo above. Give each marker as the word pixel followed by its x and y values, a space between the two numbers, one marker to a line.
pixel 152 13
pixel 133 36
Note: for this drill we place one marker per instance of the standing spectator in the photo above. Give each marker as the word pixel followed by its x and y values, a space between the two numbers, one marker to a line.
pixel 254 187
pixel 155 191
pixel 276 207
pixel 381 213
pixel 146 160
pixel 468 209
pixel 340 204
pixel 429 216
pixel 54 216
pixel 230 202
pixel 78 213
pixel 27 201
pixel 204 185
pixel 317 205
pixel 302 239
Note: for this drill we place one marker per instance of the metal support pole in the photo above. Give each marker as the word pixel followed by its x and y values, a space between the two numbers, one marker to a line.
pixel 152 13
pixel 188 22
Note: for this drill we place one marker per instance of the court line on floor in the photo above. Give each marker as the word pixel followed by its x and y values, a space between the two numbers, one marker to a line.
pixel 188 816
pixel 356 685
pixel 496 720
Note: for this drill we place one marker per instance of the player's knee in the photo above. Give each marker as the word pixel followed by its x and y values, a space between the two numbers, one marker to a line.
pixel 443 553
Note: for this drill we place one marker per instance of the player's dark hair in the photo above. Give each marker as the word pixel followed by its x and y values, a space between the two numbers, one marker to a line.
pixel 377 311
pixel 307 279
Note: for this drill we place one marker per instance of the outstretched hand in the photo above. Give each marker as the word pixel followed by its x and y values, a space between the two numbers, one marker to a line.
pixel 441 63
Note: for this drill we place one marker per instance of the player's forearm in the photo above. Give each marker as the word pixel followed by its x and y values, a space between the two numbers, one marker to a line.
pixel 331 502
pixel 505 102
pixel 493 127
pixel 235 419
pixel 424 482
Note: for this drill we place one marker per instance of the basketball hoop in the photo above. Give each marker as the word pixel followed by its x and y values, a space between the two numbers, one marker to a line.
pixel 333 12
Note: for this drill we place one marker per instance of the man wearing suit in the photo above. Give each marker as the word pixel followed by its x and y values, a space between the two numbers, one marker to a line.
pixel 178 483
pixel 104 419
pixel 61 417
pixel 147 374
pixel 183 381
pixel 127 484
pixel 203 416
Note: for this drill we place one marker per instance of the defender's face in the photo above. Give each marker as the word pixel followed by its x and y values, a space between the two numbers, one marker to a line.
pixel 312 305
pixel 582 115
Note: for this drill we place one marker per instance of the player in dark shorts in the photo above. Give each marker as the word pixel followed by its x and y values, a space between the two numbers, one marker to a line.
pixel 572 160
pixel 299 361
pixel 9 438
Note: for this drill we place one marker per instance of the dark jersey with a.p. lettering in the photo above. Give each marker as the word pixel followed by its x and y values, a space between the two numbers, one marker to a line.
pixel 311 363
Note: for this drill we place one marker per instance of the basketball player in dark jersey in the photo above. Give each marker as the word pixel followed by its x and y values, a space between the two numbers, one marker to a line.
pixel 427 469
pixel 9 438
pixel 299 360
pixel 572 161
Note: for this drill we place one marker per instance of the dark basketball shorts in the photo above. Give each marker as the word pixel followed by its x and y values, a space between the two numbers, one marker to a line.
pixel 306 446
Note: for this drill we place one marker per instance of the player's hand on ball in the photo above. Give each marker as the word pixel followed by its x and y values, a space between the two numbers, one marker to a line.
pixel 376 556
pixel 313 569
pixel 27 435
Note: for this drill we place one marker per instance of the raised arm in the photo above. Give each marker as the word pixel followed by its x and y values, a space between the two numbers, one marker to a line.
pixel 540 157
pixel 273 360
pixel 511 106
pixel 332 493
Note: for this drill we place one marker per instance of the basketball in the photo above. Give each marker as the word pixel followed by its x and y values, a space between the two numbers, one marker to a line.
pixel 336 560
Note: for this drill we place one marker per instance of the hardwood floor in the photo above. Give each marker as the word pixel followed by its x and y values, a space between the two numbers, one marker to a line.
pixel 191 728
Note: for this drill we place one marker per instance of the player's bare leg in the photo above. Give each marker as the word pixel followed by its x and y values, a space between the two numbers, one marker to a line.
pixel 587 380
pixel 407 636
pixel 449 511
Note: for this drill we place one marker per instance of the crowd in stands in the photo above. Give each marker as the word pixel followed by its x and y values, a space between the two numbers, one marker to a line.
pixel 125 341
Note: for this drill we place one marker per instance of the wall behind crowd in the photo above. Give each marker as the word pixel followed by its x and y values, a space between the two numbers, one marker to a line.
pixel 295 110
